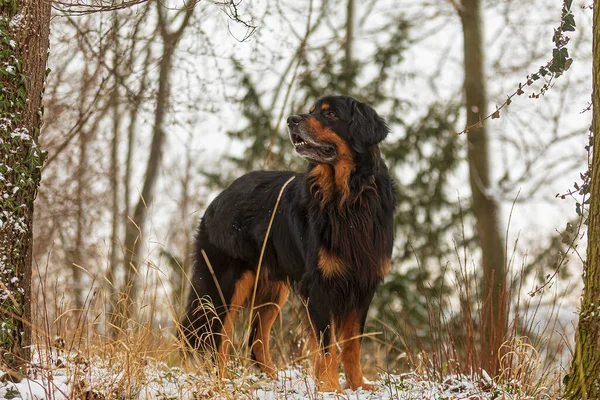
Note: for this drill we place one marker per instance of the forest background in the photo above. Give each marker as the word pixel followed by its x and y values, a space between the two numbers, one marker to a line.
pixel 150 110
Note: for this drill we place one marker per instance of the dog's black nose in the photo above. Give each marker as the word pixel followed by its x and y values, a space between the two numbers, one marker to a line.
pixel 294 120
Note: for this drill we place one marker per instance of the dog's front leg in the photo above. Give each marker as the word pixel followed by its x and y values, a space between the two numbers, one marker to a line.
pixel 323 351
pixel 350 332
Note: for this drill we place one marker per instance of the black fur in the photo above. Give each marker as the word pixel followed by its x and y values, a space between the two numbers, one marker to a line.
pixel 356 227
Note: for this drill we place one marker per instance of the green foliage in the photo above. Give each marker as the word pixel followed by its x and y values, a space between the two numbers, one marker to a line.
pixel 12 6
pixel 12 393
pixel 561 61
pixel 427 211
pixel 559 64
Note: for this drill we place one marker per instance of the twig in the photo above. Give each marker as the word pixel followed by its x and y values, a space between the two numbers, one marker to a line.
pixel 554 68
pixel 262 253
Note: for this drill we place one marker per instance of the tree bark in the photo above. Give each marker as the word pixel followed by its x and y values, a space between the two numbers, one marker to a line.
pixel 485 205
pixel 24 40
pixel 583 380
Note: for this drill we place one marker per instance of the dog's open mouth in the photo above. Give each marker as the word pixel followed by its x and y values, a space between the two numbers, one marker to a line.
pixel 311 149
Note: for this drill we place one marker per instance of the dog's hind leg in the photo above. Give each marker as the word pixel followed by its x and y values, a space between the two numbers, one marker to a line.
pixel 241 293
pixel 271 296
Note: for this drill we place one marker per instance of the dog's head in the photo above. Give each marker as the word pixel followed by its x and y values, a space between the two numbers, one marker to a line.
pixel 335 128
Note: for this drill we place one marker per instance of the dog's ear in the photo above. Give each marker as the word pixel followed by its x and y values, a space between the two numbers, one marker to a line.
pixel 367 128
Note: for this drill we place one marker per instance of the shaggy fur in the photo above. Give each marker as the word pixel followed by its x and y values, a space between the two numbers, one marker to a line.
pixel 330 242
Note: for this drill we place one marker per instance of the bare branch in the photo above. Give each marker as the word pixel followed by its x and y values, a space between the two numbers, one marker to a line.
pixel 85 7
pixel 230 8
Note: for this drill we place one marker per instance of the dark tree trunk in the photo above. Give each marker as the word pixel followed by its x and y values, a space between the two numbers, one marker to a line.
pixel 583 381
pixel 24 35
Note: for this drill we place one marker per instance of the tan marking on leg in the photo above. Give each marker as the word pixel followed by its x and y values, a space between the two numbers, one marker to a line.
pixel 243 289
pixel 266 314
pixel 331 265
pixel 325 364
pixel 350 342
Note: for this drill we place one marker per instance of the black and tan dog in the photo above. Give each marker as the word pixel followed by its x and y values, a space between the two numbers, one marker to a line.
pixel 330 241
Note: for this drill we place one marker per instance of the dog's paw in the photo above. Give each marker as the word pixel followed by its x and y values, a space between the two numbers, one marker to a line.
pixel 329 387
pixel 370 387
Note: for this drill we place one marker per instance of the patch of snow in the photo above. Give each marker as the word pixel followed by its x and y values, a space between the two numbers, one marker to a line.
pixel 21 133
pixel 16 21
pixel 18 224
pixel 58 375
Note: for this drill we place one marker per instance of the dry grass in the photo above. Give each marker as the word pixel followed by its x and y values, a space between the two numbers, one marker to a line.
pixel 143 357
pixel 115 347
pixel 530 358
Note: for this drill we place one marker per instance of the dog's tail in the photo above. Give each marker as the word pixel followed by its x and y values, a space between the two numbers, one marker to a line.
pixel 213 279
pixel 201 324
pixel 200 327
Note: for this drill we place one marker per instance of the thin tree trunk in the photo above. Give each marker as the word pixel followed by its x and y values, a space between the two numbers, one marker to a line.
pixel 583 381
pixel 485 205
pixel 348 47
pixel 24 40
pixel 135 228
pixel 114 150
pixel 180 280
pixel 131 129
pixel 133 109
pixel 113 104
pixel 82 185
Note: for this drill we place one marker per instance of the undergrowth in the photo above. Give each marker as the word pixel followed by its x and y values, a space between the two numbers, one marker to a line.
pixel 97 353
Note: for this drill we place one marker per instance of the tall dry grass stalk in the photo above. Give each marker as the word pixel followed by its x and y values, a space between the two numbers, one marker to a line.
pixel 529 356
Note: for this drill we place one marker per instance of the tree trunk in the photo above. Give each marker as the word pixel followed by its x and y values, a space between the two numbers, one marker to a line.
pixel 181 272
pixel 348 47
pixel 583 381
pixel 77 256
pixel 114 149
pixel 24 39
pixel 135 228
pixel 485 206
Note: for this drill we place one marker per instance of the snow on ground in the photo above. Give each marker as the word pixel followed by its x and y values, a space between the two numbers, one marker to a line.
pixel 60 377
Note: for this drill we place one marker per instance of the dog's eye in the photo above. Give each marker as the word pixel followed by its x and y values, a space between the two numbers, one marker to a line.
pixel 330 114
